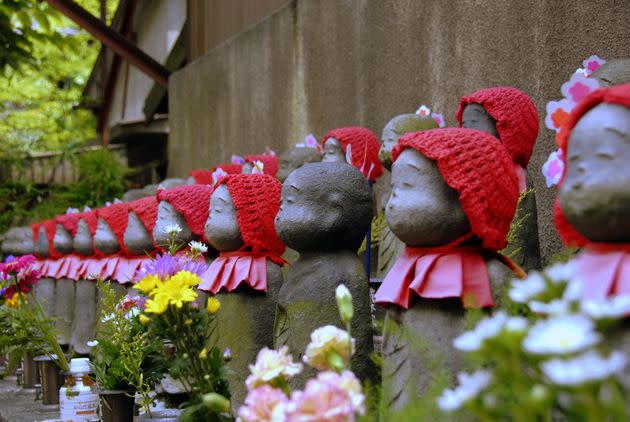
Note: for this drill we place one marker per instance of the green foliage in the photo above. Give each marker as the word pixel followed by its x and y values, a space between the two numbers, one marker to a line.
pixel 121 355
pixel 45 62
pixel 101 179
pixel 18 336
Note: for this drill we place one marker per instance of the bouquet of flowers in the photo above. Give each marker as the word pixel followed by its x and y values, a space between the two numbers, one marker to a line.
pixel 180 325
pixel 29 323
pixel 335 394
pixel 555 358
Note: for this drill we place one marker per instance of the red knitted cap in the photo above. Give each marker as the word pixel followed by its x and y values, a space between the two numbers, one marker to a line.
pixel 117 217
pixel 70 222
pixel 270 162
pixel 91 218
pixel 257 201
pixel 365 147
pixel 619 94
pixel 146 209
pixel 192 201
pixel 50 227
pixel 204 176
pixel 477 166
pixel 516 117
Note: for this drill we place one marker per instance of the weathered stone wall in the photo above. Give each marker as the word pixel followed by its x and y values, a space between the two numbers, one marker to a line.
pixel 315 65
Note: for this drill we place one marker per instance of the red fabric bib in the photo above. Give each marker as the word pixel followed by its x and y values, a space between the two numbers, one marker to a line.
pixel 438 273
pixel 604 270
pixel 231 269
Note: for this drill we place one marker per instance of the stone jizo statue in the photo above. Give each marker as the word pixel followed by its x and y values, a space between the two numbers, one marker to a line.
pixel 325 211
pixel 510 115
pixel 247 275
pixel 454 193
pixel 296 157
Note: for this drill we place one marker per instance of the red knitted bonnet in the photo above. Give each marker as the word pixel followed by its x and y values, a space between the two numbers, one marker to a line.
pixel 117 217
pixel 477 166
pixel 257 201
pixel 91 218
pixel 50 227
pixel 192 201
pixel 271 163
pixel 146 209
pixel 365 147
pixel 204 176
pixel 70 222
pixel 516 117
pixel 619 94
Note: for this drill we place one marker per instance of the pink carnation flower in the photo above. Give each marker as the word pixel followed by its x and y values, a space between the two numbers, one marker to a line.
pixel 264 403
pixel 323 400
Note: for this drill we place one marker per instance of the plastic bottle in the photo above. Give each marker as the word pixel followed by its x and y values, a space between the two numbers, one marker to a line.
pixel 78 399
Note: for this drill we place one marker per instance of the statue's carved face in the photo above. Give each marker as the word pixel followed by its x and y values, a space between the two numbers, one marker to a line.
pixel 422 209
pixel 294 158
pixel 83 240
pixel 62 241
pixel 333 151
pixel 324 207
pixel 168 215
pixel 41 247
pixel 475 116
pixel 137 238
pixel 105 239
pixel 221 228
pixel 397 127
pixel 595 193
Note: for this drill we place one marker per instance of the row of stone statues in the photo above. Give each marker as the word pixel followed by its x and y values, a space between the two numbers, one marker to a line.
pixel 448 203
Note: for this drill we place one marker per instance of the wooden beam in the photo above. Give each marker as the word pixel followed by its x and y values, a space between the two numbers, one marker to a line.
pixel 112 39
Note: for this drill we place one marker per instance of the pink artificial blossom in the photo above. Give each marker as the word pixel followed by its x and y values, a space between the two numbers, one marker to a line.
pixel 439 119
pixel 553 168
pixel 237 159
pixel 592 64
pixel 578 87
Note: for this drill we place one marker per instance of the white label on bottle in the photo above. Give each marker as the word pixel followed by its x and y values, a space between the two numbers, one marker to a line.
pixel 80 407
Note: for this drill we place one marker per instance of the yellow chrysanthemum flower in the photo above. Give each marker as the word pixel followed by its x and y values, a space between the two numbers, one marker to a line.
pixel 185 278
pixel 144 320
pixel 158 305
pixel 176 294
pixel 213 305
pixel 148 284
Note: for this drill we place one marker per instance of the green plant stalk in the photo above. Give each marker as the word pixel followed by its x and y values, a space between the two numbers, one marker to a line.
pixel 49 334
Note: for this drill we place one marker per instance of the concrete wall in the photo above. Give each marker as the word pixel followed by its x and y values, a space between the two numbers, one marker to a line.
pixel 315 65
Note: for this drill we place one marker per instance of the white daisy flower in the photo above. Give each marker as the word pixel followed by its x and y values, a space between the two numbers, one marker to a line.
pixel 587 367
pixel 561 272
pixel 92 343
pixel 555 307
pixel 469 387
pixel 488 328
pixel 197 247
pixel 172 229
pixel 613 307
pixel 561 334
pixel 522 291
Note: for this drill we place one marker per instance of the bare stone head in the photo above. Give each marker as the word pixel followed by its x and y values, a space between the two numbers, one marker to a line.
pixel 475 116
pixel 595 193
pixel 18 241
pixel 62 242
pixel 423 210
pixel 167 216
pixel 324 206
pixel 613 72
pixel 294 158
pixel 221 229
pixel 82 242
pixel 105 239
pixel 333 151
pixel 397 127
pixel 137 238
pixel 247 168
